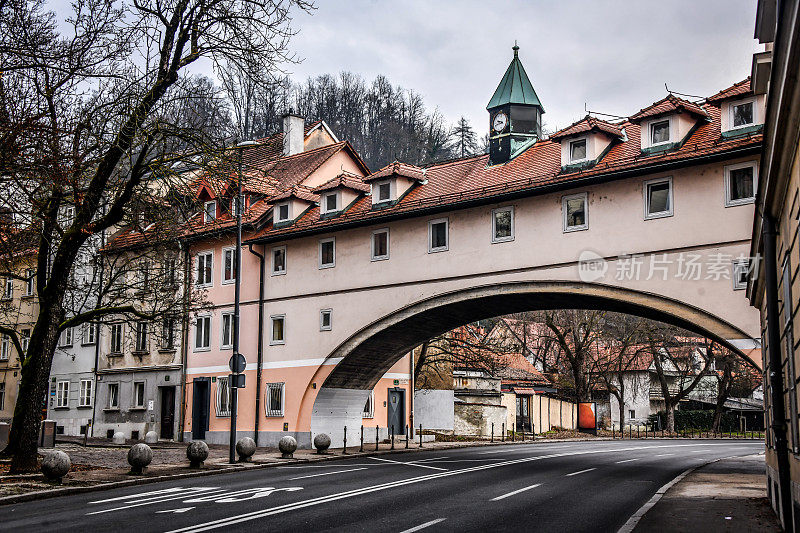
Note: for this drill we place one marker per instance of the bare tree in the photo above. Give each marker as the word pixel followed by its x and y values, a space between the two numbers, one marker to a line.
pixel 575 331
pixel 88 128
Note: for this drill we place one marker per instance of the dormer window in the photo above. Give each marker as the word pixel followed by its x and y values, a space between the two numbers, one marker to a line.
pixel 234 205
pixel 384 191
pixel 209 211
pixel 330 203
pixel 742 114
pixel 283 212
pixel 577 151
pixel 659 132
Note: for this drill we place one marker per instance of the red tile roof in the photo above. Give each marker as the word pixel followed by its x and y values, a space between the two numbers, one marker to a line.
pixel 346 180
pixel 298 191
pixel 516 368
pixel 589 123
pixel 398 169
pixel 669 104
pixel 738 89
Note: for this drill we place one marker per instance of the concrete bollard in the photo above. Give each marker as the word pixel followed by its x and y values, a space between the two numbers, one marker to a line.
pixel 118 438
pixel 139 456
pixel 322 442
pixel 151 437
pixel 197 452
pixel 245 447
pixel 287 445
pixel 55 466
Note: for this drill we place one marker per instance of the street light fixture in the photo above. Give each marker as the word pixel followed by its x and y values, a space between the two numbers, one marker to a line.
pixel 233 383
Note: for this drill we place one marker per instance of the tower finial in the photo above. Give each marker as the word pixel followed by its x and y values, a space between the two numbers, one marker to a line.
pixel 515 48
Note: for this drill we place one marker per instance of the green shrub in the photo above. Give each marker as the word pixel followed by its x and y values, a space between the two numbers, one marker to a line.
pixel 698 420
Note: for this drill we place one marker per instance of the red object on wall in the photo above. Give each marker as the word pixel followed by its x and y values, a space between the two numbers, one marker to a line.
pixel 587 415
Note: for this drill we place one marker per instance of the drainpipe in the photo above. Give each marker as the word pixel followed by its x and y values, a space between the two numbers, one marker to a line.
pixel 260 357
pixel 184 336
pixel 778 421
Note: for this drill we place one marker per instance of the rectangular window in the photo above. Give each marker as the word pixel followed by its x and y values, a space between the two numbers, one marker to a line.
pixel 659 132
pixel 740 184
pixel 113 395
pixel 327 253
pixel 223 397
pixel 138 394
pixel 278 330
pixel 202 333
pixel 25 339
pixel 116 337
pixel 503 224
pixel 209 211
pixel 89 333
pixel 438 238
pixel 142 344
pixel 331 202
pixel 369 407
pixel 658 198
pixel 65 340
pixel 279 260
pixel 144 275
pixel 788 338
pixel 577 150
pixel 576 215
pixel 226 335
pixel 325 319
pixel 741 269
pixel 168 333
pixel 283 212
pixel 170 271
pixel 205 269
pixel 30 281
pixel 380 244
pixel 229 265
pixel 742 114
pixel 8 290
pixel 5 348
pixel 234 206
pixel 62 394
pixel 2 396
pixel 85 396
pixel 274 399
pixel 384 191
pixel 631 413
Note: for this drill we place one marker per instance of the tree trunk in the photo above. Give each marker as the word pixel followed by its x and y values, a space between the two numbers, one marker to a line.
pixel 24 438
pixel 621 413
pixel 670 408
pixel 723 391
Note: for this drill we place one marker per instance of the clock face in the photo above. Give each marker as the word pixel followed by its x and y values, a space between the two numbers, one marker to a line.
pixel 500 122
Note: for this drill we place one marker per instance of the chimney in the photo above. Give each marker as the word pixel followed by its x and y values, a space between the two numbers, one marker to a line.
pixel 293 133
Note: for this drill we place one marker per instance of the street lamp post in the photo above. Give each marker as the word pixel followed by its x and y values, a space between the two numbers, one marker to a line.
pixel 233 384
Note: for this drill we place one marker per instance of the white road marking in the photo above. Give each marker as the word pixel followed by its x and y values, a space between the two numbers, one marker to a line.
pixel 423 526
pixel 153 494
pixel 626 461
pixel 332 465
pixel 581 472
pixel 408 464
pixel 428 460
pixel 328 473
pixel 152 500
pixel 254 515
pixel 180 510
pixel 663 454
pixel 514 492
pixel 241 495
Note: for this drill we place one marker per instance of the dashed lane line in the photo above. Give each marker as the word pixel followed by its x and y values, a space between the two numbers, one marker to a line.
pixel 407 464
pixel 423 526
pixel 626 461
pixel 580 472
pixel 327 473
pixel 512 493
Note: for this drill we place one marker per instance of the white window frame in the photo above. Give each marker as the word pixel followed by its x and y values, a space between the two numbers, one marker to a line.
pixel 134 404
pixel 25 339
pixel 272 340
pixel 324 203
pixel 268 389
pixel 650 131
pixel 272 261
pixel 168 333
pixel 232 250
pixel 120 337
pixel 89 333
pixel 206 216
pixel 229 315
pixel 115 397
pixel 197 321
pixel 319 253
pixel 8 289
pixel 495 238
pixel 446 247
pixel 738 266
pixel 30 282
pixel 322 326
pixel 372 245
pixel 142 339
pixel 731 105
pixel 371 400
pixel 85 393
pixel 62 394
pixel 220 412
pixel 585 141
pixel 207 254
pixel 278 212
pixel 5 348
pixel 583 227
pixel 646 188
pixel 727 173
pixel 67 338
pixel 2 395
pixel 376 193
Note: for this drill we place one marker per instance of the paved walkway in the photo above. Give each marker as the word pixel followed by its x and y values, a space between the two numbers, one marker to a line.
pixel 727 495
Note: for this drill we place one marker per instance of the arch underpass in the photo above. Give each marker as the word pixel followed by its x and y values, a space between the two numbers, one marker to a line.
pixel 362 359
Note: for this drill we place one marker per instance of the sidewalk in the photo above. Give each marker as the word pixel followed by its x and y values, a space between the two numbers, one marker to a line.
pixel 727 495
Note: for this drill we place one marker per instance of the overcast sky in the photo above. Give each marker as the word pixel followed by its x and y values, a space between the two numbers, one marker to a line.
pixel 614 56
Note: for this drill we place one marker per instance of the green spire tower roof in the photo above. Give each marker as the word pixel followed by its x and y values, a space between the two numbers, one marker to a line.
pixel 515 87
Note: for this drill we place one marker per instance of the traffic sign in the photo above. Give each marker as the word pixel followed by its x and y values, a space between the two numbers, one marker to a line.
pixel 237 363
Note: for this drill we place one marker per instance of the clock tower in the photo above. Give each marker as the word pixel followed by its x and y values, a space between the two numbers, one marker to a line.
pixel 515 114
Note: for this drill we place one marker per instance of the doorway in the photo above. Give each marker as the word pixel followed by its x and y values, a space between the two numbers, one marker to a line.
pixel 396 411
pixel 523 413
pixel 201 405
pixel 167 397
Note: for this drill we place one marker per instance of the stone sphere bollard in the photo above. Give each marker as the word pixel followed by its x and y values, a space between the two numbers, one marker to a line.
pixel 151 437
pixel 197 452
pixel 322 442
pixel 287 445
pixel 246 447
pixel 139 456
pixel 118 438
pixel 55 465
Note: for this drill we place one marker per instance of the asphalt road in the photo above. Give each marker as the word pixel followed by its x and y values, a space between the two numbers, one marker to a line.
pixel 574 486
